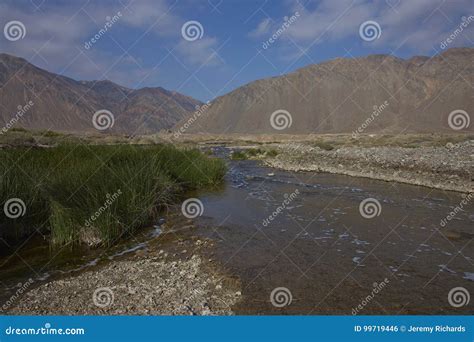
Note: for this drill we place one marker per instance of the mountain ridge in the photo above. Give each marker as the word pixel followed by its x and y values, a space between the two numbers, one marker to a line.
pixel 64 104
pixel 339 95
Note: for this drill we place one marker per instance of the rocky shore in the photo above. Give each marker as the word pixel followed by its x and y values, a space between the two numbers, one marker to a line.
pixel 449 167
pixel 151 283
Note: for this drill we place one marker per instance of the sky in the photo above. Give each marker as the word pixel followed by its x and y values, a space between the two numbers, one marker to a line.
pixel 208 48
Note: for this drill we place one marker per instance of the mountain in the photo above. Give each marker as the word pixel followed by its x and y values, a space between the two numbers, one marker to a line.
pixel 344 95
pixel 61 103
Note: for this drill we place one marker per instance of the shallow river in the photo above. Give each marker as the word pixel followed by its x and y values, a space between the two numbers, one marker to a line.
pixel 302 237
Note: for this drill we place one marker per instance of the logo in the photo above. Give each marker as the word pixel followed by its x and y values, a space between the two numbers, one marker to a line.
pixel 192 30
pixel 281 297
pixel 281 119
pixel 103 297
pixel 14 30
pixel 458 297
pixel 459 119
pixel 14 208
pixel 192 208
pixel 103 119
pixel 370 30
pixel 370 208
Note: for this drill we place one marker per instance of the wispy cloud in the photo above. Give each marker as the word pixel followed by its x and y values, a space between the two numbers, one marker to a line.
pixel 56 34
pixel 262 29
pixel 417 24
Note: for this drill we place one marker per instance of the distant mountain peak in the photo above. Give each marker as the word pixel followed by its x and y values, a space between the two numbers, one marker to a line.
pixel 339 96
pixel 61 103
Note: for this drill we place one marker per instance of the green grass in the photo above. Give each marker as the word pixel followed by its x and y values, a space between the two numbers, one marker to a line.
pixel 238 155
pixel 95 194
pixel 253 153
pixel 272 153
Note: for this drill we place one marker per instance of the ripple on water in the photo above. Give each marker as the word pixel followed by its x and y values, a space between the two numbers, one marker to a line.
pixel 469 276
pixel 360 242
pixel 357 260
pixel 446 269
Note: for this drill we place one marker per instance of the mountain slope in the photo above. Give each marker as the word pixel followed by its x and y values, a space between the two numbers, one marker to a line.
pixel 61 103
pixel 340 95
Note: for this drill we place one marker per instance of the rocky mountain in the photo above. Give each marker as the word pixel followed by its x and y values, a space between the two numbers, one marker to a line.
pixel 377 93
pixel 61 103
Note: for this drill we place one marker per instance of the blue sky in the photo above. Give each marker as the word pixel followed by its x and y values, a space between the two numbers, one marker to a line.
pixel 145 45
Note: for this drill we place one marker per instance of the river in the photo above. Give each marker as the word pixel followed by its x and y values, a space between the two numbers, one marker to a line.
pixel 302 237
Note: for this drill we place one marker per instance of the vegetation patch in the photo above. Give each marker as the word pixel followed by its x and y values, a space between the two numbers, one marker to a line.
pixel 238 155
pixel 253 153
pixel 95 194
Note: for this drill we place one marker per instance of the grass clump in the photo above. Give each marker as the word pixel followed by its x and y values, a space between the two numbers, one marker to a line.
pixel 238 155
pixel 254 152
pixel 272 153
pixel 95 194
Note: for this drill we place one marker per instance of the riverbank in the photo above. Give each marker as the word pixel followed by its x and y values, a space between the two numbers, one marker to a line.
pixel 179 280
pixel 449 167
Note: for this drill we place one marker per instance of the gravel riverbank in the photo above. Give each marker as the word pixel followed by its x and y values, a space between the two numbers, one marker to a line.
pixel 151 283
pixel 449 167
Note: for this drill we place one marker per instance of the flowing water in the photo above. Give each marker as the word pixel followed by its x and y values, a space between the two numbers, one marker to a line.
pixel 300 245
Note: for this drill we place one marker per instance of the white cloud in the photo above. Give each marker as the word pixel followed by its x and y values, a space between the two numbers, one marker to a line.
pixel 199 52
pixel 417 24
pixel 56 35
pixel 262 29
pixel 156 16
